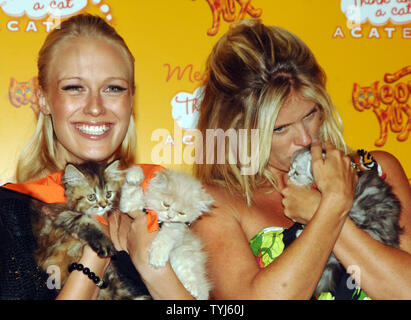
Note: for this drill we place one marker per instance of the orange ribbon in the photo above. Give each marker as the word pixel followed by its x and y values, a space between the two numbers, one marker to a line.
pixel 50 190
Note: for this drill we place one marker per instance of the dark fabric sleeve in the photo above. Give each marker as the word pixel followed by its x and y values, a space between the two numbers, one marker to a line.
pixel 20 278
pixel 129 274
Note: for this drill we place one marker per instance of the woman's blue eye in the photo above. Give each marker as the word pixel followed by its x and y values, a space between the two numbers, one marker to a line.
pixel 72 88
pixel 116 89
pixel 279 129
pixel 311 112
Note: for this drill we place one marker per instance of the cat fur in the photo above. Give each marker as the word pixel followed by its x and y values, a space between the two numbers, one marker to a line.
pixel 179 200
pixel 375 210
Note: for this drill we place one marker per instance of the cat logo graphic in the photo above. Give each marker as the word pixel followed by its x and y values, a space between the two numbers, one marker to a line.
pixel 24 93
pixel 397 113
pixel 47 14
pixel 227 9
pixel 375 19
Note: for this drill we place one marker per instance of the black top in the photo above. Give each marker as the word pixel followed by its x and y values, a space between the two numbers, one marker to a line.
pixel 20 277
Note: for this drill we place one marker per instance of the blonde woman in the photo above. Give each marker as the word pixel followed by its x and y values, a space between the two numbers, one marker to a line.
pixel 265 78
pixel 86 78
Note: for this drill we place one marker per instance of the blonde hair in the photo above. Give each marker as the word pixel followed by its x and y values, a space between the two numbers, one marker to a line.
pixel 39 157
pixel 251 72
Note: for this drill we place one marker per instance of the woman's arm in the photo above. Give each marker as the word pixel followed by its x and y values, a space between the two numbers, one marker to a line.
pixel 384 272
pixel 78 285
pixel 295 273
pixel 132 235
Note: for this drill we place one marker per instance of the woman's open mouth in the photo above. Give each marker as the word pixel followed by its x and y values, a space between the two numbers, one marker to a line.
pixel 93 131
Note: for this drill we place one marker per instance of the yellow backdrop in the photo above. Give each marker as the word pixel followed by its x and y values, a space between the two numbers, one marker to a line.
pixel 364 47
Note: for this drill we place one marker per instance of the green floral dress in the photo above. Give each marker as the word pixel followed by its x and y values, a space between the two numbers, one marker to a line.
pixel 270 242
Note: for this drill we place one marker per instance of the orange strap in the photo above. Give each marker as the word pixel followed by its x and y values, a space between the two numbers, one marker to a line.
pixel 50 190
pixel 149 172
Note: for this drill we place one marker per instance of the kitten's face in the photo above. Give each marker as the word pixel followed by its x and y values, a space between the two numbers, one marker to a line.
pixel 170 210
pixel 300 169
pixel 177 197
pixel 92 188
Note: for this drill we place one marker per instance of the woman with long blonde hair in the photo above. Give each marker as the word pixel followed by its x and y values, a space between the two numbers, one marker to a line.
pixel 86 94
pixel 264 78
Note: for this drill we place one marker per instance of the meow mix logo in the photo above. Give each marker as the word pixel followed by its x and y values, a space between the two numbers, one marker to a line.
pixel 185 105
pixel 230 11
pixel 186 108
pixel 375 19
pixel 45 14
pixel 390 102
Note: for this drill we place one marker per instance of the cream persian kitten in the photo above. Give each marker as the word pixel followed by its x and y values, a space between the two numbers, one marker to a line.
pixel 178 199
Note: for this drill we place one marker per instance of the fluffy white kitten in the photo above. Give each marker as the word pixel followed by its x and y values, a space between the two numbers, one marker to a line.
pixel 178 199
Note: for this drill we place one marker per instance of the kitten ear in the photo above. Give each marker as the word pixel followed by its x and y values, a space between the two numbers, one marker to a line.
pixel 205 202
pixel 13 82
pixel 113 172
pixel 73 176
pixel 161 179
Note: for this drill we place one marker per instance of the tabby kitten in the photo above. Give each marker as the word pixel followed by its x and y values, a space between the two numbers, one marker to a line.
pixel 376 210
pixel 90 189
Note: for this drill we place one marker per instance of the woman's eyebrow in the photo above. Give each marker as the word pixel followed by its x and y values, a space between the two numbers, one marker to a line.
pixel 79 78
pixel 287 124
pixel 68 78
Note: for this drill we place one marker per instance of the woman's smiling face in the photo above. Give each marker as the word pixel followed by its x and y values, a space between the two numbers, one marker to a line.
pixel 89 96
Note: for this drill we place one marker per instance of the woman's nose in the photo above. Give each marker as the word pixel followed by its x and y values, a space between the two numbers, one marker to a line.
pixel 95 106
pixel 302 138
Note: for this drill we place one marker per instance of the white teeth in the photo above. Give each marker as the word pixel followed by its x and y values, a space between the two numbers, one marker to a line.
pixel 93 130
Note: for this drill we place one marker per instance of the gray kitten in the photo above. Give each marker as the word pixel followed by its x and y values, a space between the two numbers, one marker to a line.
pixel 376 210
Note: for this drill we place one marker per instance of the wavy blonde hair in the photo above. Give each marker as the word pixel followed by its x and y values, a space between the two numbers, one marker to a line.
pixel 251 72
pixel 39 157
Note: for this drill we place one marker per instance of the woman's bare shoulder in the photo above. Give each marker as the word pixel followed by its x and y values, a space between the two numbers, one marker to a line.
pixel 225 201
pixel 397 179
pixel 391 166
pixel 226 210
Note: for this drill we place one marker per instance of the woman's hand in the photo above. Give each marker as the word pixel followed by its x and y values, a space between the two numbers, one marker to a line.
pixel 300 203
pixel 334 176
pixel 131 234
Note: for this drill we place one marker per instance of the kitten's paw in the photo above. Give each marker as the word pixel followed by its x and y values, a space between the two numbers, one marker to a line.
pixel 103 247
pixel 158 258
pixel 134 176
pixel 132 196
